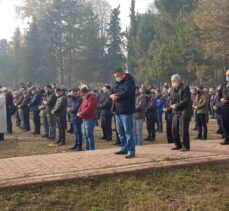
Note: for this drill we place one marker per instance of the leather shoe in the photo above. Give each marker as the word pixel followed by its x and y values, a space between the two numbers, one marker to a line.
pixel 116 143
pixel 176 148
pixel 120 153
pixel 224 143
pixel 72 148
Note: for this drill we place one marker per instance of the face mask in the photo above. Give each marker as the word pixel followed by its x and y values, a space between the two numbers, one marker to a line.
pixel 118 79
pixel 175 85
pixel 227 78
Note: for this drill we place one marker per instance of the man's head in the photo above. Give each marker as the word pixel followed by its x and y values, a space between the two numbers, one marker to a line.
pixel 4 90
pixel 170 90
pixel 33 90
pixel 84 91
pixel 75 92
pixel 119 74
pixel 227 76
pixel 48 88
pixel 176 80
pixel 59 92
pixel 200 90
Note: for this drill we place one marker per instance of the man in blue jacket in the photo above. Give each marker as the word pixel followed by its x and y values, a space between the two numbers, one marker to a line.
pixel 34 107
pixel 123 98
pixel 75 120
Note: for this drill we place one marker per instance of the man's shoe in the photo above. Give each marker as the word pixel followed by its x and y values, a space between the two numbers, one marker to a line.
pixel 147 139
pixel 129 156
pixel 61 144
pixel 176 148
pixel 44 136
pixel 120 153
pixel 204 138
pixel 78 150
pixel 36 133
pixel 72 148
pixel 58 142
pixel 194 128
pixel 184 149
pixel 102 138
pixel 198 138
pixel 116 143
pixel 225 143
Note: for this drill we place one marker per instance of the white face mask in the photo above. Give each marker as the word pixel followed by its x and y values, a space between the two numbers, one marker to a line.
pixel 118 79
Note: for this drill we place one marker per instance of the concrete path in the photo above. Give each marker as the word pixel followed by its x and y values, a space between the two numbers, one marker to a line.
pixel 22 171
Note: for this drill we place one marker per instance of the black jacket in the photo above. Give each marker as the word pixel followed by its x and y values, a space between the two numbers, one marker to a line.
pixel 105 105
pixel 125 90
pixel 224 93
pixel 51 102
pixel 60 108
pixel 182 99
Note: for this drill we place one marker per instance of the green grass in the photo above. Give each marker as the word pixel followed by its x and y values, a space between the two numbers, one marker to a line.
pixel 204 187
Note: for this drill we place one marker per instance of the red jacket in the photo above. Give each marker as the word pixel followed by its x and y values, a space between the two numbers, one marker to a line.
pixel 88 108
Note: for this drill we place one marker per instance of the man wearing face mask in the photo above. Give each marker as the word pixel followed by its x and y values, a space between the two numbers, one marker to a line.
pixel 123 98
pixel 224 98
pixel 182 109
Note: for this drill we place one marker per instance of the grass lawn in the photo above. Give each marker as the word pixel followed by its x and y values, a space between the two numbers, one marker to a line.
pixel 197 188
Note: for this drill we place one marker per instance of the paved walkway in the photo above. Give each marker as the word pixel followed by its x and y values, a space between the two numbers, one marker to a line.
pixel 22 171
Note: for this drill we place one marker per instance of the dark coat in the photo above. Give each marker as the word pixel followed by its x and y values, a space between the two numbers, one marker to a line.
pixel 224 93
pixel 51 102
pixel 75 105
pixel 151 108
pixel 25 102
pixel 105 105
pixel 9 102
pixel 125 90
pixel 60 108
pixel 182 99
pixel 35 102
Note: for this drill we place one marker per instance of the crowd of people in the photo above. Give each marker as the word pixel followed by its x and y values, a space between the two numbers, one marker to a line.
pixel 125 103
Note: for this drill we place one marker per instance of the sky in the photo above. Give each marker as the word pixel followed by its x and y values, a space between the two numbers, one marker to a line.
pixel 9 20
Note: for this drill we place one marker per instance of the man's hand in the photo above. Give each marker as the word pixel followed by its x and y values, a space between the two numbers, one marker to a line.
pixel 114 97
pixel 79 114
pixel 165 109
pixel 215 108
pixel 69 109
pixel 224 101
pixel 174 107
pixel 195 107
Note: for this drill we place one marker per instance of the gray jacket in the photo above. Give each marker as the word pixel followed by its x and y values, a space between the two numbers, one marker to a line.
pixel 140 107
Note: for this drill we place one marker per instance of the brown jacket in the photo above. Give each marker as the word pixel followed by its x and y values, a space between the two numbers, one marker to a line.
pixel 201 101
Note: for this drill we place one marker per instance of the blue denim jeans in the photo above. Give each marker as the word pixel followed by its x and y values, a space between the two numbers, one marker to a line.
pixel 138 127
pixel 124 125
pixel 89 126
pixel 77 135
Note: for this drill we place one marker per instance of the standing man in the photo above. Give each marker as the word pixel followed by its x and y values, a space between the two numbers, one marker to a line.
pixel 49 103
pixel 200 104
pixel 34 107
pixel 88 112
pixel 139 116
pixel 182 108
pixel 168 115
pixel 105 105
pixel 3 119
pixel 123 98
pixel 60 112
pixel 224 98
pixel 9 106
pixel 75 120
